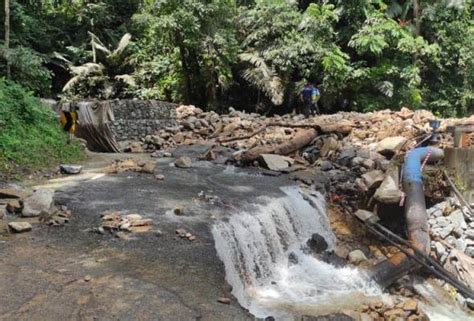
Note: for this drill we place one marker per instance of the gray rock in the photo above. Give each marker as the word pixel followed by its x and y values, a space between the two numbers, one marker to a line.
pixel 20 227
pixel 40 201
pixel 329 144
pixel 391 145
pixel 458 232
pixel 357 161
pixel 470 251
pixel 440 250
pixel 363 153
pixel 70 169
pixel 346 156
pixel 373 178
pixel 460 244
pixel 442 221
pixel 470 303
pixel 457 218
pixel 445 231
pixel 183 162
pixel 275 162
pixel 469 234
pixel 3 211
pixel 356 257
pixel 369 164
pixel 388 192
pixel 383 164
pixel 326 166
pixel 317 243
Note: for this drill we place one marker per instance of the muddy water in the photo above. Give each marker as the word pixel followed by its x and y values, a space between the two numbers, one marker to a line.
pixel 270 273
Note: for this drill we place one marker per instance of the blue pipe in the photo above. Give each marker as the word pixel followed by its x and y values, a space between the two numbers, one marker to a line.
pixel 413 159
pixel 388 271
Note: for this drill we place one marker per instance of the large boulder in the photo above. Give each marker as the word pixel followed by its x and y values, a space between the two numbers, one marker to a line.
pixel 391 145
pixel 40 201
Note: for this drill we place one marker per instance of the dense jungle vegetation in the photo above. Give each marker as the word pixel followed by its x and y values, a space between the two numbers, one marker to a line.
pixel 362 54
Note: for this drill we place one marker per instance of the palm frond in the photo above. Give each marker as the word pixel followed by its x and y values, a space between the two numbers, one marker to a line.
pixel 263 77
pixel 97 44
pixel 127 79
pixel 386 88
pixel 123 44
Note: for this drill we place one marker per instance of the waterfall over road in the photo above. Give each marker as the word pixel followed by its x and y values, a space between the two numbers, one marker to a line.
pixel 269 272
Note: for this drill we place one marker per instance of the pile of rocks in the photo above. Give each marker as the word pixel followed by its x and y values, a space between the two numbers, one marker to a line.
pixel 38 205
pixel 452 242
pixel 131 165
pixel 451 227
pixel 116 222
pixel 183 234
pixel 243 131
pixel 403 309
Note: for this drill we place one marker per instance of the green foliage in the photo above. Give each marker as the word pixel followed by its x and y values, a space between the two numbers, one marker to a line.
pixel 282 45
pixel 106 76
pixel 27 68
pixel 195 40
pixel 30 135
pixel 365 52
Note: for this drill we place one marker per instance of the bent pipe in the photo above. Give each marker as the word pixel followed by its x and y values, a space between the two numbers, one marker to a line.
pixel 390 270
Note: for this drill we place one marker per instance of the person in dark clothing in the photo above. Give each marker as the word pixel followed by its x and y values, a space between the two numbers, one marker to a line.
pixel 310 96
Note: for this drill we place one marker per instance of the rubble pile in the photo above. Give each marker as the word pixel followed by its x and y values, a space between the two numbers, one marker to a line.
pixel 452 239
pixel 26 208
pixel 359 152
pixel 130 165
pixel 116 222
pixel 243 131
pixel 404 309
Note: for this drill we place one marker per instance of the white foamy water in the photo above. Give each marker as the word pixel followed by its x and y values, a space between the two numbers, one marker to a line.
pixel 256 247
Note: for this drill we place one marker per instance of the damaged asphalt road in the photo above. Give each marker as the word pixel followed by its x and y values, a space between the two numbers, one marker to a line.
pixel 71 273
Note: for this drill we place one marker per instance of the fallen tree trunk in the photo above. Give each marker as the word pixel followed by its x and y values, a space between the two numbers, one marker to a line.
pixel 300 140
pixel 231 139
pixel 342 127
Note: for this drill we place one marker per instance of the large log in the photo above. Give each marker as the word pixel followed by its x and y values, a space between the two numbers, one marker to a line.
pixel 300 140
pixel 343 127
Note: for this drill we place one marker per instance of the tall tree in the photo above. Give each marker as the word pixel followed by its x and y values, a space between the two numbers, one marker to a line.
pixel 7 34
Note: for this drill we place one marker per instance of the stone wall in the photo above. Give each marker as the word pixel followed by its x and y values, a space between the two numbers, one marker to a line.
pixel 135 119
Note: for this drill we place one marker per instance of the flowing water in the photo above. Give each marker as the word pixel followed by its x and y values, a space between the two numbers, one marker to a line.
pixel 271 274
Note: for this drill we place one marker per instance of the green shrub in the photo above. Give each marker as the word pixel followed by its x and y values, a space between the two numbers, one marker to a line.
pixel 30 135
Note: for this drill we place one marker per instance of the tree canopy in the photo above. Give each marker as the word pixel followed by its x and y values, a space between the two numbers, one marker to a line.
pixel 362 54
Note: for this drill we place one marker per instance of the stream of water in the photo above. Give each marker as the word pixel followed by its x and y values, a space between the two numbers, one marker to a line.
pixel 271 274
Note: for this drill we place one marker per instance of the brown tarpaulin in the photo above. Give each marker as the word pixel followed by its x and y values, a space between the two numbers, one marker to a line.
pixel 93 126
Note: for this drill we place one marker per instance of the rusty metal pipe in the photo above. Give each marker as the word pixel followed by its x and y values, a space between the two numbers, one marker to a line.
pixel 388 271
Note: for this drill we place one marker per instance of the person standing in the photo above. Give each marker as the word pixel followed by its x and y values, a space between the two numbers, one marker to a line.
pixel 310 96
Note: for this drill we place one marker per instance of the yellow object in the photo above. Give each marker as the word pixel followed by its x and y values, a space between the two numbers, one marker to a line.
pixel 68 121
